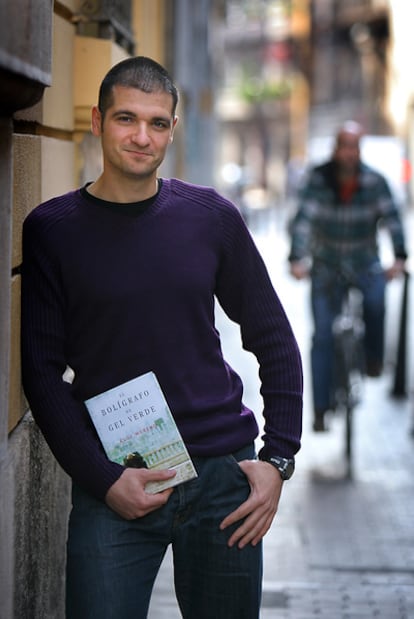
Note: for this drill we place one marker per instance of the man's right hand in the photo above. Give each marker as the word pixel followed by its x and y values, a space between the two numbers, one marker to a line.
pixel 395 270
pixel 299 269
pixel 127 496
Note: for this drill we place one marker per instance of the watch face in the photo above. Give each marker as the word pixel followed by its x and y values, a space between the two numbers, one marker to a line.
pixel 285 466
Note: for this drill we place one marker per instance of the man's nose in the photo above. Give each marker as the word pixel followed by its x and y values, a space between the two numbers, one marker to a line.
pixel 140 134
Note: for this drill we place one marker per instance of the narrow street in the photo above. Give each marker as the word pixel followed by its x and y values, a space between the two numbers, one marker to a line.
pixel 338 548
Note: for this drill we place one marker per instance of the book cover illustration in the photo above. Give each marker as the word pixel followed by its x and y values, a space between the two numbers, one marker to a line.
pixel 137 429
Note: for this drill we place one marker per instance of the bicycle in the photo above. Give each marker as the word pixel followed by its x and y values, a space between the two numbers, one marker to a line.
pixel 348 331
pixel 349 347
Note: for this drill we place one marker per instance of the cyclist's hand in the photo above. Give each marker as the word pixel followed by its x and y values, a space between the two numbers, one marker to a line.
pixel 299 269
pixel 396 269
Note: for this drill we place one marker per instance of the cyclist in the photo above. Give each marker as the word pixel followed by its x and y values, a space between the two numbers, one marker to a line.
pixel 334 231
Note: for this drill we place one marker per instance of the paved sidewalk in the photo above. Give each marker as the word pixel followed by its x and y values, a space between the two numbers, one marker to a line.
pixel 338 548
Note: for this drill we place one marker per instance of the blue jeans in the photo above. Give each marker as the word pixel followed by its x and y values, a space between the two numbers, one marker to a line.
pixel 326 297
pixel 112 563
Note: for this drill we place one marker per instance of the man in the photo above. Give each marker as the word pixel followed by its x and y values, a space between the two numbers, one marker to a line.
pixel 335 227
pixel 119 278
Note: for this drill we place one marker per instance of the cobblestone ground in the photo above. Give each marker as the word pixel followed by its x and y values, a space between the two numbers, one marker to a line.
pixel 338 548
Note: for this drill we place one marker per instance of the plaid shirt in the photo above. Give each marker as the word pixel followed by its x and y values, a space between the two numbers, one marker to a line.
pixel 338 233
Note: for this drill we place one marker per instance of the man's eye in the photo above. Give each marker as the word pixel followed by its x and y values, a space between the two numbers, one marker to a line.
pixel 125 119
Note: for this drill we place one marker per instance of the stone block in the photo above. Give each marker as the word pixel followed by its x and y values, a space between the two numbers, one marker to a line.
pixel 25 52
pixel 42 502
pixel 58 167
pixel 7 484
pixel 58 99
pixel 43 167
pixel 27 193
pixel 92 60
pixel 55 110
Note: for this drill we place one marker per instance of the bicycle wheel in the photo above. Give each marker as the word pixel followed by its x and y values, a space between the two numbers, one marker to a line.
pixel 345 346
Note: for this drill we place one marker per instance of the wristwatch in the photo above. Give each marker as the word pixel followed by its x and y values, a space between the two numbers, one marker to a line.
pixel 285 466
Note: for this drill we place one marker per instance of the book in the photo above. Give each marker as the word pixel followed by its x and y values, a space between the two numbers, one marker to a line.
pixel 137 429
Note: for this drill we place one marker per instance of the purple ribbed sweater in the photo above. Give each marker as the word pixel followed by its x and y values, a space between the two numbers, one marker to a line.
pixel 114 296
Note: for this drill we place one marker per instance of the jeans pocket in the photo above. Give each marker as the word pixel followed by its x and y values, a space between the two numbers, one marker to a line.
pixel 245 453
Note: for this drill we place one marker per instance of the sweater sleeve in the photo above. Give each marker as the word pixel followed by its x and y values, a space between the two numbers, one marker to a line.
pixel 300 227
pixel 391 219
pixel 63 420
pixel 245 291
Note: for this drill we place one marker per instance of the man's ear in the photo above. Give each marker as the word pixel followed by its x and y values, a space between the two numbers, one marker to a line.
pixel 175 121
pixel 96 122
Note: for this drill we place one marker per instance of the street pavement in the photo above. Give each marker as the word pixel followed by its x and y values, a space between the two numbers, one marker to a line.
pixel 339 548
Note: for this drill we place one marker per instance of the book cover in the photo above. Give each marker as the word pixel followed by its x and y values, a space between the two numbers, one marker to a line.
pixel 137 429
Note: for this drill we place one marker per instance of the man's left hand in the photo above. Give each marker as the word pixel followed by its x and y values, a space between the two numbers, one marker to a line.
pixel 261 506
